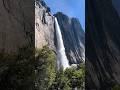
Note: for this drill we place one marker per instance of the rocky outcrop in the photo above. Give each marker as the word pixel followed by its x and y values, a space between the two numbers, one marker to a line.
pixel 73 37
pixel 102 45
pixel 44 25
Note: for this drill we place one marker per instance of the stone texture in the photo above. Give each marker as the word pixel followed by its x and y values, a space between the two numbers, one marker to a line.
pixel 73 35
pixel 17 27
pixel 17 37
pixel 44 26
pixel 102 45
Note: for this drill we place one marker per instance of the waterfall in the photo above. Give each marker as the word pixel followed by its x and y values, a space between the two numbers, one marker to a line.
pixel 62 61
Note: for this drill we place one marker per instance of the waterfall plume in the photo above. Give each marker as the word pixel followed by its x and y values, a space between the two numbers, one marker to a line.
pixel 62 61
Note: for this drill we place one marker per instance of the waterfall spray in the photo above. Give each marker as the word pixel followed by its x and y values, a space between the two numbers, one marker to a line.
pixel 62 61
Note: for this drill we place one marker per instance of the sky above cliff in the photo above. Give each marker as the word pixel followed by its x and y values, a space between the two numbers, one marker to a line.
pixel 72 8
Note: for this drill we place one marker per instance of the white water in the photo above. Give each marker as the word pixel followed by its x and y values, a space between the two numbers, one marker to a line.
pixel 62 61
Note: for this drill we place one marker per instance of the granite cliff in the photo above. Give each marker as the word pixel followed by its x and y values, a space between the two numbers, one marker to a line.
pixel 73 37
pixel 17 25
pixel 73 34
pixel 102 45
pixel 44 25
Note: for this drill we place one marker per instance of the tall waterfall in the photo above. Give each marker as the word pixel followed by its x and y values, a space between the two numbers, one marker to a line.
pixel 62 61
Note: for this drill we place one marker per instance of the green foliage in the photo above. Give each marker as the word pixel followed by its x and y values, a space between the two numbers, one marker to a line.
pixel 46 65
pixel 61 82
pixel 69 79
pixel 29 70
pixel 17 71
pixel 116 87
pixel 51 79
pixel 76 77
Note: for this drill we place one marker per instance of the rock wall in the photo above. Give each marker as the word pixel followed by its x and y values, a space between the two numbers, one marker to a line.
pixel 102 45
pixel 73 35
pixel 44 25
pixel 17 25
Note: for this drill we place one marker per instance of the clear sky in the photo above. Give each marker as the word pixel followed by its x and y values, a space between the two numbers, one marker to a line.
pixel 72 8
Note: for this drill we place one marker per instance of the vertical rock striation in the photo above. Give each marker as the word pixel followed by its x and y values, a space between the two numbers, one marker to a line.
pixel 73 37
pixel 44 25
pixel 17 25
pixel 102 45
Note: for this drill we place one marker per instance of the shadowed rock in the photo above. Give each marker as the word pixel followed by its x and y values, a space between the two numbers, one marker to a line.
pixel 102 45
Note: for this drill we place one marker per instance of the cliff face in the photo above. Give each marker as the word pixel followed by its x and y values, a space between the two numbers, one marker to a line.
pixel 17 25
pixel 73 35
pixel 102 45
pixel 44 25
pixel 16 40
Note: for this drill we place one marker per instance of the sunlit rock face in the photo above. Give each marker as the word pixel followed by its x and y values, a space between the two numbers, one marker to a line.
pixel 73 37
pixel 44 25
pixel 102 45
pixel 72 33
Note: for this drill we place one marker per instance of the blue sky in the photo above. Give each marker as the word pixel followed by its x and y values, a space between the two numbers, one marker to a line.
pixel 72 8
